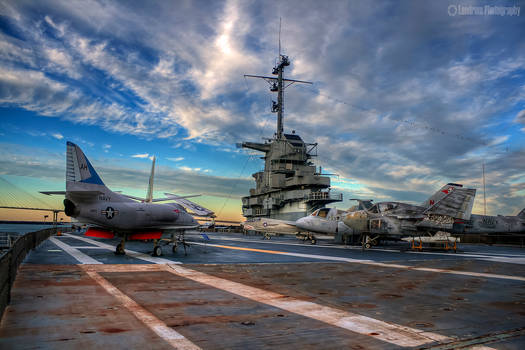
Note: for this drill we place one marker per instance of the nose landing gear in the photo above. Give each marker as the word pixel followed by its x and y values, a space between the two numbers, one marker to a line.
pixel 119 250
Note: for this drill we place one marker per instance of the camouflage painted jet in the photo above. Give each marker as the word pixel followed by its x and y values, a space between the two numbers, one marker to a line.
pixel 492 224
pixel 396 220
pixel 110 213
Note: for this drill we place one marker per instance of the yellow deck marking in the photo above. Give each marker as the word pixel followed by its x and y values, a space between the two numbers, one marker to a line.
pixel 368 262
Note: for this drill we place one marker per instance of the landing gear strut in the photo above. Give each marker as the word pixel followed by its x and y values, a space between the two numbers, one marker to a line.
pixel 157 250
pixel 368 242
pixel 119 250
pixel 179 240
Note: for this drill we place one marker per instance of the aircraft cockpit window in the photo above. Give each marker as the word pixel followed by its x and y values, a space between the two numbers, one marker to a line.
pixel 323 212
pixel 364 205
pixel 374 209
pixel 316 212
pixel 387 206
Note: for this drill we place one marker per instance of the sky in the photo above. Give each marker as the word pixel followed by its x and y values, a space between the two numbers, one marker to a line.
pixel 406 97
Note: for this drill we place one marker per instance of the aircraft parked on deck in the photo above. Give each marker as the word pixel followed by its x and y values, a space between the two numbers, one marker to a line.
pixel 110 213
pixel 394 220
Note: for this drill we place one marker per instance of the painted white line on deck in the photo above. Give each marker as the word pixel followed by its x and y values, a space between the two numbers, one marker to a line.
pixel 88 247
pixel 388 332
pixel 367 262
pixel 175 339
pixel 131 253
pixel 75 253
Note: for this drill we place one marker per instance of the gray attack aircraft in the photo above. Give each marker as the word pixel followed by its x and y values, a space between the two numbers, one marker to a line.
pixel 110 213
pixel 492 224
pixel 322 221
pixel 395 220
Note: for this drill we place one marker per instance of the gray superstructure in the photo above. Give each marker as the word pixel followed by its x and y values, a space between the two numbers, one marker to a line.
pixel 289 187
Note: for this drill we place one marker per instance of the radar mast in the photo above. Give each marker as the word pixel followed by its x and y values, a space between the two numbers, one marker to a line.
pixel 278 85
pixel 289 187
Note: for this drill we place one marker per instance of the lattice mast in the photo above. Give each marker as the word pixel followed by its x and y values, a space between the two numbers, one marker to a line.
pixel 278 85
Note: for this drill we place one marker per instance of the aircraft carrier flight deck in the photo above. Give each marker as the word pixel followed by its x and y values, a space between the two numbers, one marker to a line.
pixel 243 292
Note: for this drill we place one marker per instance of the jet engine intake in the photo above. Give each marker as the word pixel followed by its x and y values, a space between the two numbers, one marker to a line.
pixel 70 208
pixel 357 221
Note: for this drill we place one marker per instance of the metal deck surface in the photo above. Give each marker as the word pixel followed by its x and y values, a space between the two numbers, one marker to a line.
pixel 240 292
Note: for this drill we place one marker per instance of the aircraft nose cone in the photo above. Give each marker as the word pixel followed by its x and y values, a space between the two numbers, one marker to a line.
pixel 302 223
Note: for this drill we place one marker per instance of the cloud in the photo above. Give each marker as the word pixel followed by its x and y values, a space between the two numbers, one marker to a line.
pixel 520 117
pixel 57 136
pixel 188 169
pixel 39 163
pixel 143 155
pixel 178 159
pixel 397 111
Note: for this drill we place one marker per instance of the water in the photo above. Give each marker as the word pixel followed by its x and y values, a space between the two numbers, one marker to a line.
pixel 25 228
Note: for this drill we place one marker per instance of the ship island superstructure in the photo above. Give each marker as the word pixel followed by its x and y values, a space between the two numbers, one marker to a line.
pixel 289 187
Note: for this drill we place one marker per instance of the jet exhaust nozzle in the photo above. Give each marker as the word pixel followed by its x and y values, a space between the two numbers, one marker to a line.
pixel 70 208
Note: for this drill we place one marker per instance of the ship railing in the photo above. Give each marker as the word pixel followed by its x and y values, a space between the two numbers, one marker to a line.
pixel 12 258
pixel 322 196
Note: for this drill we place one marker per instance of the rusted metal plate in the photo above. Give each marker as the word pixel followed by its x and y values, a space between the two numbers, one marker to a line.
pixel 458 306
pixel 300 301
pixel 60 307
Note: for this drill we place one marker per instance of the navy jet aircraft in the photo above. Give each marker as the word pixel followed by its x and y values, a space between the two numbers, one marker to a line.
pixel 322 221
pixel 110 213
pixel 388 220
pixel 492 224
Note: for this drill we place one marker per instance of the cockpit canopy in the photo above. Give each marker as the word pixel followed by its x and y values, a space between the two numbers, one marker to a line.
pixel 322 213
pixel 382 207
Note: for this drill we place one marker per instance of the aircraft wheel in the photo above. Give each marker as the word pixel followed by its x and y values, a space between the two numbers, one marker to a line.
pixel 157 251
pixel 119 250
pixel 368 245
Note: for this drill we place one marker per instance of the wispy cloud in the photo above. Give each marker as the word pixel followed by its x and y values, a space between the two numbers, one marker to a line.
pixel 117 66
pixel 57 136
pixel 142 155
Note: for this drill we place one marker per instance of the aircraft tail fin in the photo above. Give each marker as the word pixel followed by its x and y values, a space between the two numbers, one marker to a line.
pixel 522 214
pixel 78 167
pixel 440 194
pixel 149 196
pixel 452 200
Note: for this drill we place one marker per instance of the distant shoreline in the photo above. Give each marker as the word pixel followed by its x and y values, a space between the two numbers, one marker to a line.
pixel 50 223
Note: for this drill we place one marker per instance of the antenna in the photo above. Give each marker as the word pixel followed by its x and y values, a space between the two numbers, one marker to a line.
pixel 484 198
pixel 277 85
pixel 279 37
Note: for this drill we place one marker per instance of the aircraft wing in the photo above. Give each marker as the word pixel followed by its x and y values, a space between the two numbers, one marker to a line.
pixel 193 207
pixel 49 193
pixel 78 194
pixel 169 198
pixel 172 197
